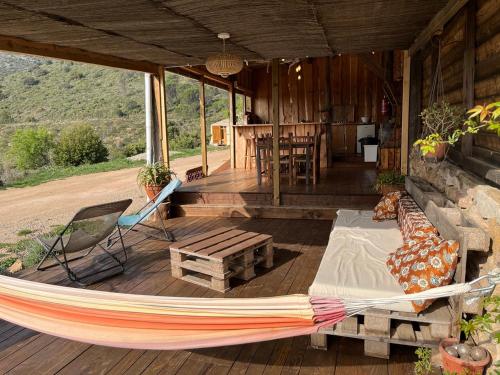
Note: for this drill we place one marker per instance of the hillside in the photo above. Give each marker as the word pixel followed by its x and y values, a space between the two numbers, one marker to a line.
pixel 51 93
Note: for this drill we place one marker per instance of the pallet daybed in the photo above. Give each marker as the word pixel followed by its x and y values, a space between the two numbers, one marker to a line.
pixel 354 266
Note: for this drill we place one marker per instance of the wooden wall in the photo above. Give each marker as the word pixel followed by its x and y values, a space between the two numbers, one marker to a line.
pixel 487 63
pixel 352 88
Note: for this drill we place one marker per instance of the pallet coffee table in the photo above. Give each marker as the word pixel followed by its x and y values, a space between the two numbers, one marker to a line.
pixel 211 259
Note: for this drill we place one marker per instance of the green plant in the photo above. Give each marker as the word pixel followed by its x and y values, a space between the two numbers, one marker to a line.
pixel 485 321
pixel 479 117
pixel 31 148
pixel 154 174
pixel 80 144
pixel 24 232
pixel 388 178
pixel 423 366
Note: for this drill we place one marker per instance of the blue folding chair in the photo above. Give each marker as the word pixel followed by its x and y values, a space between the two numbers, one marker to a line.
pixel 133 222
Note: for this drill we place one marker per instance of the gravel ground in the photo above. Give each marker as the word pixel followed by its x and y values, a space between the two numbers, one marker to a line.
pixel 37 208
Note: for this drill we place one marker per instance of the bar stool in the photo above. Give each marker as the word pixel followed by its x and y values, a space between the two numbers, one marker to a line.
pixel 250 151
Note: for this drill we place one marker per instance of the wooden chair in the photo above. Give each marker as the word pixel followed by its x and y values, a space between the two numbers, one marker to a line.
pixel 300 158
pixel 250 151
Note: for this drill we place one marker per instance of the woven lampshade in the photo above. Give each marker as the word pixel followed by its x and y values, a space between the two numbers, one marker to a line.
pixel 224 64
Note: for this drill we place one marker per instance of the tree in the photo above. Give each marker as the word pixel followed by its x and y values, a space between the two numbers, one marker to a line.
pixel 31 148
pixel 80 144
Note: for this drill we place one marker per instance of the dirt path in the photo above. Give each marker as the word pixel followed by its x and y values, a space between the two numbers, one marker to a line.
pixel 53 203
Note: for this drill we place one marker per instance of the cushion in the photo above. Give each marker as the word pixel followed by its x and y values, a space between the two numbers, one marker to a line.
pixel 424 265
pixel 353 265
pixel 387 208
pixel 414 225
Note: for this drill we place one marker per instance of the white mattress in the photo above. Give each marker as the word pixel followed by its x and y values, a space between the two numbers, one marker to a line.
pixel 354 261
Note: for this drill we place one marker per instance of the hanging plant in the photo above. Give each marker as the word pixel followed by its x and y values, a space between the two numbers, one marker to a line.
pixel 440 123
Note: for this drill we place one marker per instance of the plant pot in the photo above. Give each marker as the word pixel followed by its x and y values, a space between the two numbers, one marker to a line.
pixel 438 154
pixel 389 188
pixel 458 366
pixel 153 190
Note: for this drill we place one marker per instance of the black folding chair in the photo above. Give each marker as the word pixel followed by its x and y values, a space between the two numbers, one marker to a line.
pixel 88 228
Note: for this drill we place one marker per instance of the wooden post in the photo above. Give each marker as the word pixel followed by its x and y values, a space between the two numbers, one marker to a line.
pixel 203 129
pixel 405 113
pixel 415 98
pixel 160 111
pixel 469 68
pixel 276 131
pixel 232 121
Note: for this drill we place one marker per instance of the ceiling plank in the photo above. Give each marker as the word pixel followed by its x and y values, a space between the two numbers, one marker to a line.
pixel 437 24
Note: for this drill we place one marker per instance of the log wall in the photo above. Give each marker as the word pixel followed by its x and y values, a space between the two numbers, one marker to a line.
pixel 487 62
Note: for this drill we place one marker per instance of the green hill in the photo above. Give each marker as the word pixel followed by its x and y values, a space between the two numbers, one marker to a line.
pixel 51 93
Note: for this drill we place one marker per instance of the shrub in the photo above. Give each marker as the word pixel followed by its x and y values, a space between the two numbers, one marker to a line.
pixel 80 144
pixel 132 149
pixel 30 81
pixel 31 148
pixel 5 117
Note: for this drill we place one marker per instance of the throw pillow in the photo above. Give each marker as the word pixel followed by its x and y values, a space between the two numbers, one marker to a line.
pixel 424 265
pixel 387 208
pixel 414 225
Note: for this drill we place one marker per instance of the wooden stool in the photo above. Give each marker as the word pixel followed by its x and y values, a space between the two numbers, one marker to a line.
pixel 250 151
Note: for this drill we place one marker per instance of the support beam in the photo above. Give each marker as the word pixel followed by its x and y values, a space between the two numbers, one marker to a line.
pixel 469 68
pixel 436 25
pixel 232 121
pixel 276 131
pixel 160 113
pixel 19 45
pixel 416 79
pixel 405 121
pixel 203 129
pixel 148 109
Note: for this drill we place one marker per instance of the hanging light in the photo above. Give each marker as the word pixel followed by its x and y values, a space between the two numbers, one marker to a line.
pixel 224 64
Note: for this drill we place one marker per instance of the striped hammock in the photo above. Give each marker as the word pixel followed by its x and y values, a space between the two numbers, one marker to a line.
pixel 174 323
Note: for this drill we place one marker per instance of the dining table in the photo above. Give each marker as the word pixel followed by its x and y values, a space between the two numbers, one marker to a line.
pixel 306 145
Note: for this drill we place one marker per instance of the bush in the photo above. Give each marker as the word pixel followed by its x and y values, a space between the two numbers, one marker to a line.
pixel 5 117
pixel 186 141
pixel 80 144
pixel 31 148
pixel 30 81
pixel 132 149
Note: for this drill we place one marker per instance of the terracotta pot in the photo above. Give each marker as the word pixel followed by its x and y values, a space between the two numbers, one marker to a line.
pixel 153 190
pixel 457 366
pixel 389 188
pixel 438 154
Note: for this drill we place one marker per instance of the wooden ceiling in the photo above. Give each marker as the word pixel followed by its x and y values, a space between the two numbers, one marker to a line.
pixel 184 32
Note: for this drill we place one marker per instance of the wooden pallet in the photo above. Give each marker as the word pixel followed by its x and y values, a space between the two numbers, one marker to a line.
pixel 211 259
pixel 380 328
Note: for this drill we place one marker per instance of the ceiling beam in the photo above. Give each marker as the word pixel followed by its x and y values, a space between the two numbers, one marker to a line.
pixel 19 45
pixel 436 25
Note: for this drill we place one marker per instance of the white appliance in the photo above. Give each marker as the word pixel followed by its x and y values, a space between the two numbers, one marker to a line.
pixel 363 131
pixel 371 153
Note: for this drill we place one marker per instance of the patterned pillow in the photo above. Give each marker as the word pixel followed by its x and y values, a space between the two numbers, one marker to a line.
pixel 412 221
pixel 424 265
pixel 387 208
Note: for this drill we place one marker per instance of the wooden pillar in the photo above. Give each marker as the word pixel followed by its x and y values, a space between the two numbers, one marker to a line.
pixel 160 113
pixel 469 68
pixel 405 113
pixel 203 129
pixel 415 98
pixel 276 131
pixel 327 106
pixel 232 121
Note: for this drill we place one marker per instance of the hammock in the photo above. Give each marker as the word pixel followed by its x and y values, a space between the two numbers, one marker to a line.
pixel 175 323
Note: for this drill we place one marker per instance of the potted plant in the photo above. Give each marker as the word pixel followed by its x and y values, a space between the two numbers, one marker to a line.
pixel 467 357
pixel 154 177
pixel 439 121
pixel 389 181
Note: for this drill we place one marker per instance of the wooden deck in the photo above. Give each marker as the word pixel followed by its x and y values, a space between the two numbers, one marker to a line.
pixel 299 245
pixel 235 192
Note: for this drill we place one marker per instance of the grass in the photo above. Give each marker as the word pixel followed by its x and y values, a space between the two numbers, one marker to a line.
pixel 24 232
pixel 56 173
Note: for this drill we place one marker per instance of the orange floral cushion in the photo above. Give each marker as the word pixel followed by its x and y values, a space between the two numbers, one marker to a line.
pixel 387 208
pixel 414 225
pixel 424 265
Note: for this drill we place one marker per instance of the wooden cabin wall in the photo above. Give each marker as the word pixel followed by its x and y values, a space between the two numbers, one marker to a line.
pixel 487 63
pixel 354 90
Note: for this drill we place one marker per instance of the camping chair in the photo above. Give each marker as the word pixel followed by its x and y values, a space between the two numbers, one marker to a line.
pixel 87 229
pixel 132 222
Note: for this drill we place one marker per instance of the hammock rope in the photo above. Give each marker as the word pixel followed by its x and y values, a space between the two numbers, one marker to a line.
pixel 175 323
